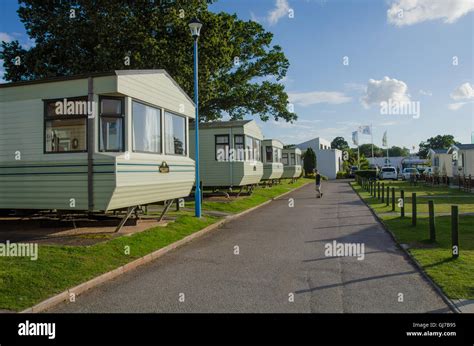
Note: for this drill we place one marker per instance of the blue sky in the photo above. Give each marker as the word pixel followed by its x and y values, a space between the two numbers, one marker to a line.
pixel 403 50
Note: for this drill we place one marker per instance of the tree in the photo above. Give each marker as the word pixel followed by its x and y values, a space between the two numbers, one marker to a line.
pixel 309 161
pixel 239 69
pixel 397 151
pixel 339 143
pixel 366 150
pixel 438 142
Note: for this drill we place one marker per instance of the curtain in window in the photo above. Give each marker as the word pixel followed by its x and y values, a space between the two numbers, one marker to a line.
pixel 169 134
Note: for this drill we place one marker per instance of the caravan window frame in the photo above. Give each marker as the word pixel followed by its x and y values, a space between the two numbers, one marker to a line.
pixel 47 118
pixel 132 135
pixel 185 144
pixel 106 115
pixel 215 146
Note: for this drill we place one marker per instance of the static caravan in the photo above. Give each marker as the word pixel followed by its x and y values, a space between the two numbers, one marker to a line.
pixel 463 159
pixel 94 142
pixel 441 162
pixel 291 159
pixel 272 155
pixel 229 153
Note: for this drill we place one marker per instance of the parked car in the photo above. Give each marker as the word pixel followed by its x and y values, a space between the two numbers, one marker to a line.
pixel 388 172
pixel 352 172
pixel 408 172
pixel 428 171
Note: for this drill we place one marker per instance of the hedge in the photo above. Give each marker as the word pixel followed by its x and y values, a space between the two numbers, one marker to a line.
pixel 369 173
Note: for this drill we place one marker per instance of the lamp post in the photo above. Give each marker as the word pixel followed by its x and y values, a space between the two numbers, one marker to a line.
pixel 195 27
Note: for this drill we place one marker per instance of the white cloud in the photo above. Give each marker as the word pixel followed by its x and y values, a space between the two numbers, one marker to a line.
pixel 425 92
pixel 382 90
pixel 464 92
pixel 6 37
pixel 408 12
pixel 315 97
pixel 355 87
pixel 457 105
pixel 298 124
pixel 281 10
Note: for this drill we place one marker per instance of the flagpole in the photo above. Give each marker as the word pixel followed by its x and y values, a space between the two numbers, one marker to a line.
pixel 358 157
pixel 372 136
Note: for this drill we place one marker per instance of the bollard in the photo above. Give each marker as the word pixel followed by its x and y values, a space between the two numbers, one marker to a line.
pixel 378 190
pixel 393 199
pixel 432 221
pixel 383 192
pixel 402 206
pixel 454 230
pixel 413 209
pixel 388 197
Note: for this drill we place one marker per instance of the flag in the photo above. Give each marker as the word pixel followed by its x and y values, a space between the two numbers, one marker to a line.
pixel 355 137
pixel 384 139
pixel 365 130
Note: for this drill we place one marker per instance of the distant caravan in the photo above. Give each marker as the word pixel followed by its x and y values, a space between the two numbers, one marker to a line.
pixel 230 155
pixel 94 142
pixel 272 161
pixel 291 159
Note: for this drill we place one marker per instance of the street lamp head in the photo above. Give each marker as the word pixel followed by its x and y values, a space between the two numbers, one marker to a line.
pixel 195 27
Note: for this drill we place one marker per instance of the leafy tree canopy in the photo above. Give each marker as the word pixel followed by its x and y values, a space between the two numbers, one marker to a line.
pixel 339 143
pixel 438 142
pixel 239 68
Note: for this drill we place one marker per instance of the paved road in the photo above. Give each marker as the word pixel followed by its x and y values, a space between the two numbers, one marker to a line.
pixel 282 251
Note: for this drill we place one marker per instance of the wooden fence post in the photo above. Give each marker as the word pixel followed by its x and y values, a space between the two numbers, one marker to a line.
pixel 393 199
pixel 413 209
pixel 383 192
pixel 402 205
pixel 454 230
pixel 432 221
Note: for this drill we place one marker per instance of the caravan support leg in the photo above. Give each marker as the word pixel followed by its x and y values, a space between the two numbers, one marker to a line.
pixel 130 210
pixel 167 207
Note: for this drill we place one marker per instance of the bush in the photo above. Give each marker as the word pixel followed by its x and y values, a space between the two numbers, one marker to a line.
pixel 342 175
pixel 368 173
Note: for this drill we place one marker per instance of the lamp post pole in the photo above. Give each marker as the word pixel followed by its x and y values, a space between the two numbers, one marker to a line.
pixel 197 196
pixel 195 26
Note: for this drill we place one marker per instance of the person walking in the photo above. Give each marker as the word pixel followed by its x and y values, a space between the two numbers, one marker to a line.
pixel 318 184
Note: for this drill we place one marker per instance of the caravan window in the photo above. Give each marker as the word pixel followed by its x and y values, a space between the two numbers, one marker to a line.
pixel 256 149
pixel 65 125
pixel 175 134
pixel 293 159
pixel 239 147
pixel 146 128
pixel 276 155
pixel 222 147
pixel 285 159
pixel 250 149
pixel 269 152
pixel 111 131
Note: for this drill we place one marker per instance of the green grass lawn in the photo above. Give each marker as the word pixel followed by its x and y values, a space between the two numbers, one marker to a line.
pixel 24 283
pixel 259 196
pixel 454 276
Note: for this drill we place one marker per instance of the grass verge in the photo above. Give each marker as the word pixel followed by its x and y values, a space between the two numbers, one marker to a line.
pixel 454 276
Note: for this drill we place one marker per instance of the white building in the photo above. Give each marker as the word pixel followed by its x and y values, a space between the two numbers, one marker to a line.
pixel 328 161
